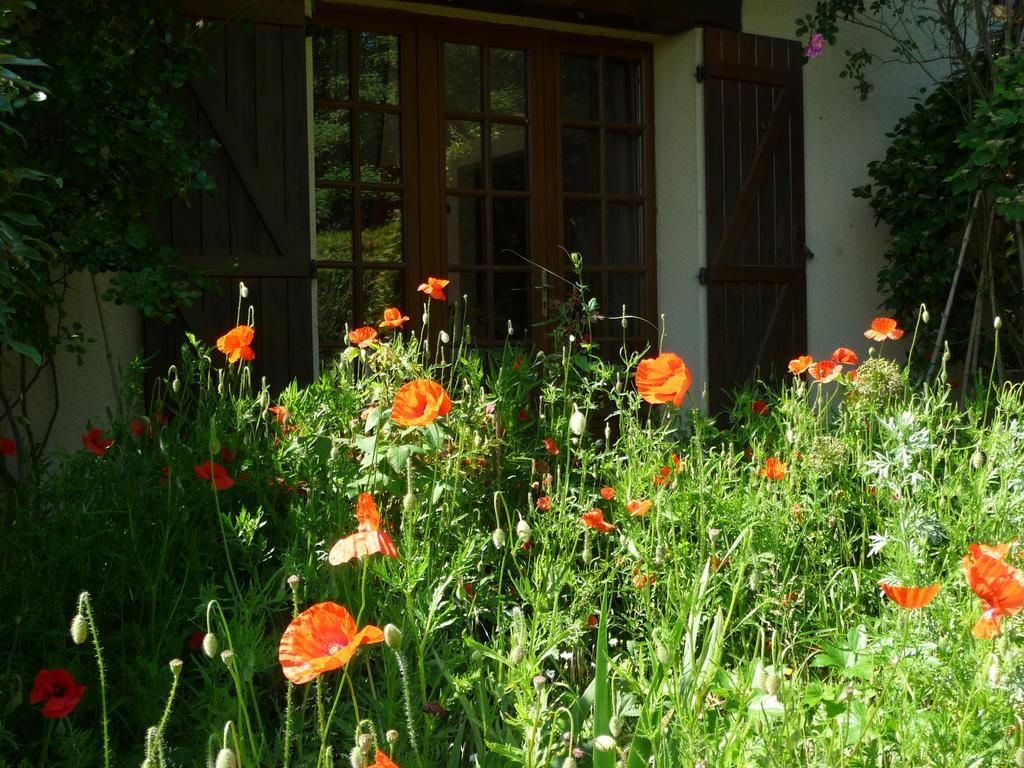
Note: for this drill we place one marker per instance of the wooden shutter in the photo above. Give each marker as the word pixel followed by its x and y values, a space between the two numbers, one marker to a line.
pixel 757 306
pixel 255 227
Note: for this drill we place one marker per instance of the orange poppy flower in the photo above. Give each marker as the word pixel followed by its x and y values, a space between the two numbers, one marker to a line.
pixel 393 318
pixel 663 379
pixel 999 585
pixel 800 364
pixel 595 519
pixel 368 538
pixel 544 503
pixel 211 471
pixel 419 403
pixel 235 344
pixel 910 597
pixel 638 507
pixel 434 288
pixel 94 442
pixel 551 446
pixel 363 337
pixel 607 493
pixel 641 579
pixel 680 464
pixel 883 328
pixel 845 355
pixel 322 638
pixel 773 469
pixel 381 760
pixel 8 447
pixel 825 371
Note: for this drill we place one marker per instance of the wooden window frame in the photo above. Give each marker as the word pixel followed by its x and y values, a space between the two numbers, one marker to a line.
pixel 421 39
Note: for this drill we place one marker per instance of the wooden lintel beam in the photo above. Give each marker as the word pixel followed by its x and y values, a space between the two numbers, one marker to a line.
pixel 657 16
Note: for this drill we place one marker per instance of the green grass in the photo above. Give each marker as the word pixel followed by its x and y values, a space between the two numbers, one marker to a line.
pixel 739 623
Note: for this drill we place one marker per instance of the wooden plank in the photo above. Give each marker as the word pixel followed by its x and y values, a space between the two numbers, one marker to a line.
pixel 658 16
pixel 754 273
pixel 749 74
pixel 290 13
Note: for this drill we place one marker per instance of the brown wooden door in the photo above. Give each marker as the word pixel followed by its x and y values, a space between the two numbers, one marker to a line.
pixel 255 227
pixel 755 278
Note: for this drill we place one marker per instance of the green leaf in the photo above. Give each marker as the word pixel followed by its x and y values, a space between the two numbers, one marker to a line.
pixel 26 349
pixel 602 690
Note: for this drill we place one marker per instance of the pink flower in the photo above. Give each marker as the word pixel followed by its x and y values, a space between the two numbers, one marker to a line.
pixel 815 48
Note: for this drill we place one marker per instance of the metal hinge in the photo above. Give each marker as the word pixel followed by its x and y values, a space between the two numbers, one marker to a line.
pixel 701 73
pixel 702 276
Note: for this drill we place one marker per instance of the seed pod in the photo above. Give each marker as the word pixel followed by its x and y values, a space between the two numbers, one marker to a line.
pixel 293 582
pixel 210 645
pixel 226 759
pixel 365 742
pixel 391 737
pixel 772 684
pixel 393 637
pixel 79 629
pixel 227 656
pixel 176 665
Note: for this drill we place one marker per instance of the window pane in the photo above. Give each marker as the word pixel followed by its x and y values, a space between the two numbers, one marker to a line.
pixel 511 303
pixel 508 81
pixel 382 288
pixel 463 81
pixel 464 155
pixel 330 64
pixel 624 236
pixel 382 226
pixel 465 230
pixel 333 305
pixel 380 147
pixel 580 83
pixel 583 229
pixel 621 91
pixel 508 156
pixel 511 230
pixel 334 224
pixel 378 68
pixel 623 163
pixel 624 290
pixel 332 144
pixel 581 158
pixel 467 304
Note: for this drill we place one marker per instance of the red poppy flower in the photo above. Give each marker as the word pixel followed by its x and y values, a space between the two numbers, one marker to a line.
pixel 434 708
pixel 470 589
pixel 595 519
pixel 368 538
pixel 165 473
pixel 517 363
pixel 381 760
pixel 663 379
pixel 773 469
pixel 883 328
pixel 638 507
pixel 999 585
pixel 544 503
pixel 845 356
pixel 322 638
pixel 523 415
pixel 94 442
pixel 680 464
pixel 800 364
pixel 211 471
pixel 235 344
pixel 8 447
pixel 607 493
pixel 551 446
pixel 759 407
pixel 393 318
pixel 280 413
pixel 641 579
pixel 825 371
pixel 195 641
pixel 138 428
pixel 419 403
pixel 363 337
pixel 592 621
pixel 910 597
pixel 59 690
pixel 434 288
pixel 718 563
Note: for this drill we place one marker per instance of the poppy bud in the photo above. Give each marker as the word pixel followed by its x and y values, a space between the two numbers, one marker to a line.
pixel 175 384
pixel 243 290
pixel 220 381
pixel 587 556
pixel 365 741
pixel 227 656
pixel 772 684
pixel 615 726
pixel 510 327
pixel 662 654
pixel 977 459
pixel 714 533
pixel 569 762
pixel 391 737
pixel 539 681
pixel 356 758
pixel 393 637
pixel 1018 757
pixel 760 677
pixel 498 538
pixel 79 629
pixel 997 323
pixel 225 759
pixel 925 317
pixel 994 675
pixel 409 503
pixel 516 656
pixel 210 644
pixel 607 432
pixel 148 763
pixel 577 422
pixel 625 321
pixel 176 665
pixel 604 744
pixel 523 530
pixel 660 553
pixel 754 580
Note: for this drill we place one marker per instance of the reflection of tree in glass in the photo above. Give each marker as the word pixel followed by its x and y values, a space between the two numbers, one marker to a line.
pixel 332 142
pixel 330 63
pixel 378 68
pixel 334 305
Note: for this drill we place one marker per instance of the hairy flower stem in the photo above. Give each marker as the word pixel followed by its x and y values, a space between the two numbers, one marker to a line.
pixel 158 736
pixel 289 693
pixel 85 608
pixel 323 754
pixel 408 704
